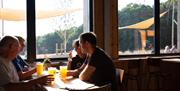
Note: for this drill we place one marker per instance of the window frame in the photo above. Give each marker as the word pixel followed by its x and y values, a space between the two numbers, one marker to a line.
pixel 106 45
pixel 31 29
pixel 156 37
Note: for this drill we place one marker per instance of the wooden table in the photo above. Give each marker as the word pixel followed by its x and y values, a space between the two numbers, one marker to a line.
pixel 69 83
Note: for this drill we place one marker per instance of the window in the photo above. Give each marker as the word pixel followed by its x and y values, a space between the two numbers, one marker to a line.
pixel 169 42
pixel 58 23
pixel 136 27
pixel 13 19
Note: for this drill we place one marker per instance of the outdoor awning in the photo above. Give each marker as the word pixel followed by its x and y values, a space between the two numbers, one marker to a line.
pixel 143 34
pixel 19 15
pixel 143 24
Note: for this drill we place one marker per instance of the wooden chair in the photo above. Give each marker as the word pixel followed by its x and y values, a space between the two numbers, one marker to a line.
pixel 106 87
pixel 120 66
pixel 154 72
pixel 132 74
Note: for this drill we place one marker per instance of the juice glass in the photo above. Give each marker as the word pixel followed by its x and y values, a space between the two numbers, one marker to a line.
pixel 52 72
pixel 63 72
pixel 39 68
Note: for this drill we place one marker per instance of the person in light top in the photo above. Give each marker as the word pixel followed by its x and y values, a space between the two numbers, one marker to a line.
pixel 9 79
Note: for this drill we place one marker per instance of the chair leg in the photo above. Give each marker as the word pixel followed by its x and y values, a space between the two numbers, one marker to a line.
pixel 148 83
pixel 138 84
pixel 137 81
pixel 125 83
pixel 158 83
pixel 157 80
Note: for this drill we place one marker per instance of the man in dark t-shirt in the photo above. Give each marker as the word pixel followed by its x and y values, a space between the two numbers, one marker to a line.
pixel 105 71
pixel 100 69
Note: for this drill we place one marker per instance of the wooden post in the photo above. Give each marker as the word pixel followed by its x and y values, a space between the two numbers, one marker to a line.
pixel 111 27
pixel 98 21
pixel 178 26
pixel 31 31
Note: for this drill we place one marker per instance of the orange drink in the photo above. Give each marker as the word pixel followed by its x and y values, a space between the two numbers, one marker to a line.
pixel 52 72
pixel 63 72
pixel 39 68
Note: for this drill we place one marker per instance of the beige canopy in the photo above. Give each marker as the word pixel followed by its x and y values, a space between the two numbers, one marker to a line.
pixel 19 15
pixel 149 33
pixel 143 24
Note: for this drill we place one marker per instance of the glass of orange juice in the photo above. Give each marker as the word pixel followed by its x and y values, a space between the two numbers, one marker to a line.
pixel 39 68
pixel 52 72
pixel 63 72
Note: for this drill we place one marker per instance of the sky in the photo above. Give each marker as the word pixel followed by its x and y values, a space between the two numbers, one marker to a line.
pixel 45 26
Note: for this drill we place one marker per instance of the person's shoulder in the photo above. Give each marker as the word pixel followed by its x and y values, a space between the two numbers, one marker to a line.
pixel 98 51
pixel 2 64
pixel 19 57
pixel 15 60
pixel 75 58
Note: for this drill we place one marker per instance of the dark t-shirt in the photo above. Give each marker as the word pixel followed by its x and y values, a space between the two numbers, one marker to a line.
pixel 76 62
pixel 105 71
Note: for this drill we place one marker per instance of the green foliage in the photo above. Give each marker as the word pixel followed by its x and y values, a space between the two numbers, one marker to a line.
pixel 47 43
pixel 74 36
pixel 134 13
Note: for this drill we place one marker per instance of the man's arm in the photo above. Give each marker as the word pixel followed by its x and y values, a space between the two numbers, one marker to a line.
pixel 76 72
pixel 87 73
pixel 27 74
pixel 27 85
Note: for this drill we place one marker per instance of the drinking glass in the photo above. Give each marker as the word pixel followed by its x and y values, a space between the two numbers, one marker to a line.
pixel 52 73
pixel 63 72
pixel 39 68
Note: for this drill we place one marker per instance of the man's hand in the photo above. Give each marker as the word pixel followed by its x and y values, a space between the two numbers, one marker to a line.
pixel 70 54
pixel 43 80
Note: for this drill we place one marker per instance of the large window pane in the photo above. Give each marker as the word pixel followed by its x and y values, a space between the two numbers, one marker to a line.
pixel 13 19
pixel 58 23
pixel 168 26
pixel 136 27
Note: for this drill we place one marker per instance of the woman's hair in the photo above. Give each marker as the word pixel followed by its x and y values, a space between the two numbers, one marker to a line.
pixel 20 39
pixel 76 43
